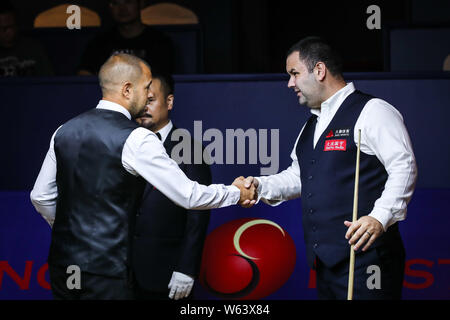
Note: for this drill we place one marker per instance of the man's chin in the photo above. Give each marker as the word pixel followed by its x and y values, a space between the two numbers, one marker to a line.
pixel 145 122
pixel 302 101
pixel 307 104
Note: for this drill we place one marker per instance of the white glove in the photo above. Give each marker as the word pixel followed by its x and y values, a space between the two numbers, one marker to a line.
pixel 180 285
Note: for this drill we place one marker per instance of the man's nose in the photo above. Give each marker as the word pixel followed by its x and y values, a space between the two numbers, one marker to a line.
pixel 291 83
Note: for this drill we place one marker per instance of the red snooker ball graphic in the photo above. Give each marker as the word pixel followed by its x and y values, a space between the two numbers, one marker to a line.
pixel 247 259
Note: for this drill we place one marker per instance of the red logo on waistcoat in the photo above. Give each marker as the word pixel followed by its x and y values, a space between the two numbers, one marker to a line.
pixel 335 145
pixel 330 134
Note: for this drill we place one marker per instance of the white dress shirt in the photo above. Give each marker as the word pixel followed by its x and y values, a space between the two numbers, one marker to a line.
pixel 143 155
pixel 383 134
pixel 164 131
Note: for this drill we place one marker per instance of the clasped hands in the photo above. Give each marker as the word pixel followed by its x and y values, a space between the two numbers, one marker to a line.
pixel 362 233
pixel 248 187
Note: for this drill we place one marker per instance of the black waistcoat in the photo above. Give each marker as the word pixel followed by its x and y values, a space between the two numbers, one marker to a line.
pixel 328 178
pixel 97 197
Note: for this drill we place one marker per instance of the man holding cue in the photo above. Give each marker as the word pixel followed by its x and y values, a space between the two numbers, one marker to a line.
pixel 91 183
pixel 323 173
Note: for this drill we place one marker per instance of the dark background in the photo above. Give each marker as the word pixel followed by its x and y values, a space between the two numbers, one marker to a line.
pixel 252 36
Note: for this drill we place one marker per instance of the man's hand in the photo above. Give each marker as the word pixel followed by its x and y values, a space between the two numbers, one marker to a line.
pixel 365 230
pixel 248 194
pixel 180 285
pixel 251 180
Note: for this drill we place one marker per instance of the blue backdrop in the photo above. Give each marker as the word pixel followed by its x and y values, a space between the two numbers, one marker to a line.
pixel 33 108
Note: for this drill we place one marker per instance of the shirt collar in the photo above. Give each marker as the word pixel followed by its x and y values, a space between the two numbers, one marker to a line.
pixel 108 105
pixel 332 104
pixel 164 131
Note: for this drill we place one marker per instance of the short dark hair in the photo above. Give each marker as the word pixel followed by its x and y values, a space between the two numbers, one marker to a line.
pixel 167 83
pixel 315 49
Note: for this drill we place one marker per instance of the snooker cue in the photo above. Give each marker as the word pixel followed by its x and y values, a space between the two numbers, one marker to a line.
pixel 354 218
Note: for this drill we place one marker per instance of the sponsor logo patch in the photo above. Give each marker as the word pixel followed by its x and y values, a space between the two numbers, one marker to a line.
pixel 341 133
pixel 335 145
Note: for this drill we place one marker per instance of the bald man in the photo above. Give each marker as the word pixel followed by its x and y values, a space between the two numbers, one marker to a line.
pixel 91 182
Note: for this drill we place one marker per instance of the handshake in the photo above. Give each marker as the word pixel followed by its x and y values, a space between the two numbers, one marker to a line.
pixel 248 187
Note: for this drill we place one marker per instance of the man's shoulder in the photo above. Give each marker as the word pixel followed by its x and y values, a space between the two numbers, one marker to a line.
pixel 113 117
pixel 379 104
pixel 375 104
pixel 378 110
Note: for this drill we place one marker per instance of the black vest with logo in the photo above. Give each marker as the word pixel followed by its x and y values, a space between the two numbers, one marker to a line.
pixel 328 180
pixel 97 197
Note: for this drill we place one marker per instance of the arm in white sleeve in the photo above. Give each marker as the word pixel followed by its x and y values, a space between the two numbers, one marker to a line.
pixel 45 192
pixel 144 155
pixel 283 186
pixel 384 135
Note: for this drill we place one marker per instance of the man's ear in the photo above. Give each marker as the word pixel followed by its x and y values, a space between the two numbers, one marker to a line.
pixel 320 71
pixel 127 90
pixel 170 98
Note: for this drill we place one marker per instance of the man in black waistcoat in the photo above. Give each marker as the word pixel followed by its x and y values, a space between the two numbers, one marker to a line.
pixel 91 183
pixel 169 239
pixel 323 173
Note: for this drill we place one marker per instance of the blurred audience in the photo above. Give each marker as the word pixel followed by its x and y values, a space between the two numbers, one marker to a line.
pixel 19 56
pixel 129 35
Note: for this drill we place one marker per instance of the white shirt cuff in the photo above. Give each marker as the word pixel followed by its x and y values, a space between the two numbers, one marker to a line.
pixel 258 190
pixel 234 196
pixel 383 216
